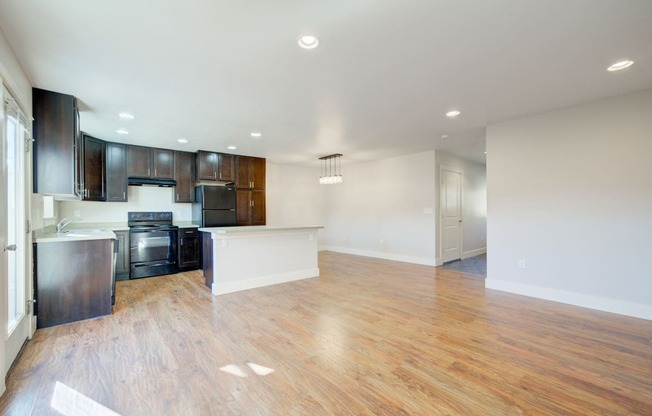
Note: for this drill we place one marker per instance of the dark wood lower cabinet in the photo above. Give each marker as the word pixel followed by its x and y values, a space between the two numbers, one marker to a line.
pixel 122 265
pixel 207 259
pixel 189 249
pixel 72 281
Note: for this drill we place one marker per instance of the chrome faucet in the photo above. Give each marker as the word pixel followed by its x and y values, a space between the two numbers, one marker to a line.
pixel 62 224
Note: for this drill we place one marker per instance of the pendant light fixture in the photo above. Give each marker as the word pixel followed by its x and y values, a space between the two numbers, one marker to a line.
pixel 331 169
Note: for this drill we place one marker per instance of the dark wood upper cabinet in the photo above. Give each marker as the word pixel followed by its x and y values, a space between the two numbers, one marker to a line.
pixel 147 162
pixel 57 149
pixel 213 166
pixel 116 172
pixel 250 172
pixel 184 167
pixel 206 165
pixel 226 167
pixel 139 161
pixel 94 169
pixel 163 163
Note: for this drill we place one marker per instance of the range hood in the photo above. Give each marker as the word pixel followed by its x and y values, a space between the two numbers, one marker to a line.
pixel 164 183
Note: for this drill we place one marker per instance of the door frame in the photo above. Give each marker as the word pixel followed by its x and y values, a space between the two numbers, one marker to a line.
pixel 440 250
pixel 28 254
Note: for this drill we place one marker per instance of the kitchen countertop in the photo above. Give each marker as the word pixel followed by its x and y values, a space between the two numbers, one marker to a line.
pixel 89 231
pixel 49 235
pixel 257 229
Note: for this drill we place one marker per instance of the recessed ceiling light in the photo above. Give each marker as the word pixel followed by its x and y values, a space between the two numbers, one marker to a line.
pixel 182 140
pixel 122 131
pixel 126 116
pixel 445 136
pixel 256 134
pixel 620 65
pixel 485 153
pixel 453 113
pixel 308 42
pixel 231 147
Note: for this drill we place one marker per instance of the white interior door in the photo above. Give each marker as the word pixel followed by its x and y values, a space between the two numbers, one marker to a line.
pixel 451 209
pixel 17 287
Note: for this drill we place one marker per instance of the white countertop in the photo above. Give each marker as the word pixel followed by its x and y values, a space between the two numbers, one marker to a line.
pixel 75 235
pixel 77 231
pixel 259 229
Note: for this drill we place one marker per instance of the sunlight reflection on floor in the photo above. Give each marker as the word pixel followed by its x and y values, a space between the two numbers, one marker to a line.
pixel 70 402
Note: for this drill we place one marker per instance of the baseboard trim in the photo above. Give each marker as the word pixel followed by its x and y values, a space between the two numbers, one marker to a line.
pixel 635 310
pixel 473 253
pixel 381 255
pixel 262 281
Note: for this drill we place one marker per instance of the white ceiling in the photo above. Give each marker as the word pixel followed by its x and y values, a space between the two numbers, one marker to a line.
pixel 386 71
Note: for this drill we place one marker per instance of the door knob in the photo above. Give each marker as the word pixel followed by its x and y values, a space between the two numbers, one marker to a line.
pixel 10 248
pixel 459 220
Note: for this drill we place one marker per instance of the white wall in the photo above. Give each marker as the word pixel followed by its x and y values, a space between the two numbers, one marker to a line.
pixel 474 224
pixel 570 192
pixel 294 196
pixel 141 198
pixel 384 200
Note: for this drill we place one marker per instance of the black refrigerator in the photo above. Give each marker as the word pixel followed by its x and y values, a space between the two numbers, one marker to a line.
pixel 214 206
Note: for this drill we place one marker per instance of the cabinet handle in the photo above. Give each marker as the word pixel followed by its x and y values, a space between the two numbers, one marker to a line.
pixel 181 242
pixel 252 202
pixel 177 196
pixel 148 172
pixel 154 171
pixel 215 175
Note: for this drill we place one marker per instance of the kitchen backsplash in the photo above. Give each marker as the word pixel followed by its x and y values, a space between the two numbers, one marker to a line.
pixel 141 198
pixel 38 213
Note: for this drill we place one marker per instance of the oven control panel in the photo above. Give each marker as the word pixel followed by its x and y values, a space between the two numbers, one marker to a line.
pixel 150 216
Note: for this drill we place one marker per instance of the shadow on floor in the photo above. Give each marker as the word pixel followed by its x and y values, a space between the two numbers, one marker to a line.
pixel 476 265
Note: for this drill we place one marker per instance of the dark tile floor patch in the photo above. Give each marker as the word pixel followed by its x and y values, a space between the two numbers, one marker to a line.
pixel 476 266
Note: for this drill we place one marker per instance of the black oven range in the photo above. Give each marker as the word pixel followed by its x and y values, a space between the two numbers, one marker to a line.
pixel 153 244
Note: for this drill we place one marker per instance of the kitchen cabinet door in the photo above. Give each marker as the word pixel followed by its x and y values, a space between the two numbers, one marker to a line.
pixel 189 249
pixel 250 207
pixel 226 167
pixel 250 172
pixel 94 169
pixel 242 205
pixel 57 149
pixel 162 163
pixel 206 165
pixel 116 172
pixel 242 169
pixel 258 214
pixel 184 167
pixel 139 161
pixel 257 173
pixel 122 265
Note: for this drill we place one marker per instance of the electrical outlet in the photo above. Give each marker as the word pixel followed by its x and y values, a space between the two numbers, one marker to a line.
pixel 521 264
pixel 482 237
pixel 427 210
pixel 381 241
pixel 77 214
pixel 344 238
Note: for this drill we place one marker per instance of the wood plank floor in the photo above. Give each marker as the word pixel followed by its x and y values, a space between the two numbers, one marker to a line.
pixel 368 337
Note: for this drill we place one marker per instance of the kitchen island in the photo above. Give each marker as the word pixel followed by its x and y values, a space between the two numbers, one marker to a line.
pixel 241 258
